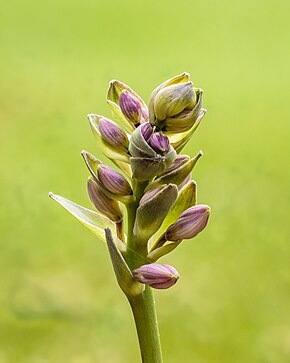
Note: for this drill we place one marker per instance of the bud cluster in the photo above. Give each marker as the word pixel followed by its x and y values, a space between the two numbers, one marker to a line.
pixel 154 182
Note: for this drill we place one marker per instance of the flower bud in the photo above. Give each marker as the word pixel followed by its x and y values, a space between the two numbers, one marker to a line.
pixel 174 105
pixel 113 134
pixel 158 276
pixel 130 106
pixel 159 143
pixel 113 181
pixel 151 153
pixel 172 100
pixel 189 224
pixel 104 204
pixel 146 130
pixel 127 105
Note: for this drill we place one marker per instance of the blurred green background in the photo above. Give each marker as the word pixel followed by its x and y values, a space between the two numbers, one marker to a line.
pixel 59 301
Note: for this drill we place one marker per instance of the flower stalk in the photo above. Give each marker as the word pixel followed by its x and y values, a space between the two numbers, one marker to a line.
pixel 153 185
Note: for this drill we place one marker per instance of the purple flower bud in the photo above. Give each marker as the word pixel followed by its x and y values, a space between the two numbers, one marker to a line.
pixel 159 143
pixel 113 134
pixel 107 206
pixel 146 130
pixel 189 224
pixel 130 106
pixel 156 275
pixel 113 181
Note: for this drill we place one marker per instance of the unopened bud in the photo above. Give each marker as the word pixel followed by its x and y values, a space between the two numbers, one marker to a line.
pixel 158 276
pixel 159 143
pixel 146 130
pixel 174 106
pixel 172 100
pixel 113 181
pixel 107 206
pixel 113 134
pixel 130 106
pixel 148 160
pixel 189 224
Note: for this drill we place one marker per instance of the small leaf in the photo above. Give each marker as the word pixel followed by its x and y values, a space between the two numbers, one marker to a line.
pixel 123 274
pixel 94 221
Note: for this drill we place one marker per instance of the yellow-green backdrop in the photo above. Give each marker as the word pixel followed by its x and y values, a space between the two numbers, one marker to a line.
pixel 59 302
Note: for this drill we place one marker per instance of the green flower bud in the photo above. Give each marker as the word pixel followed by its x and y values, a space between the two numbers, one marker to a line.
pixel 174 106
pixel 172 100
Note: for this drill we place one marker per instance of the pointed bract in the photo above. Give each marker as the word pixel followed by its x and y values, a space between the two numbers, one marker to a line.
pixel 123 274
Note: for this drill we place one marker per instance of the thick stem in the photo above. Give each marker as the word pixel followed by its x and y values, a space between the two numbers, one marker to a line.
pixel 143 307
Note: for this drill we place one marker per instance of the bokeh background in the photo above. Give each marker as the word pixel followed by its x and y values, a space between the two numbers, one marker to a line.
pixel 59 301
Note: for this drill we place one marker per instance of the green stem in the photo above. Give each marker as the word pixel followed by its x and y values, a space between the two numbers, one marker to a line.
pixel 143 307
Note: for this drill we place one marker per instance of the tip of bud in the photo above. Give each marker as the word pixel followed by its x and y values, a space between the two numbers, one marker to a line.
pixel 50 194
